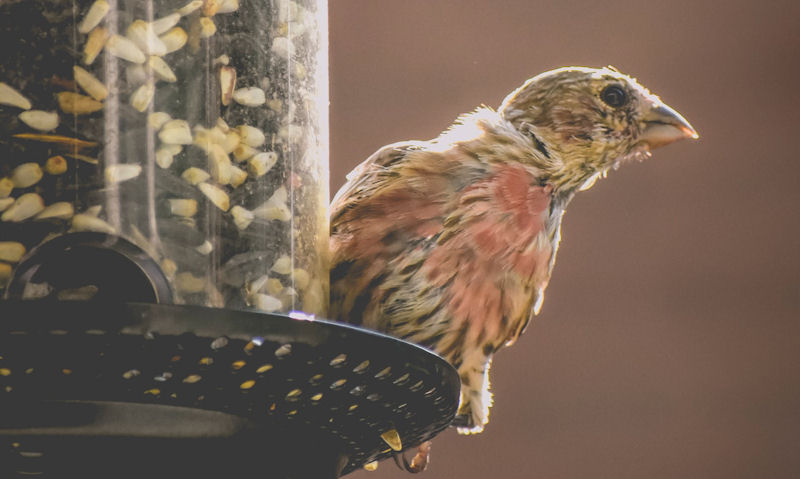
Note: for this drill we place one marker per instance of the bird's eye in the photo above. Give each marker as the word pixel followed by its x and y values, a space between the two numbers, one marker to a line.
pixel 614 96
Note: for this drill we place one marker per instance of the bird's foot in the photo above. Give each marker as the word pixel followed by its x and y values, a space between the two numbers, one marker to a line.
pixel 419 462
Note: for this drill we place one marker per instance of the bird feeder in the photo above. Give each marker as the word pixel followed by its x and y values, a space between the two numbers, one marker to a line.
pixel 163 238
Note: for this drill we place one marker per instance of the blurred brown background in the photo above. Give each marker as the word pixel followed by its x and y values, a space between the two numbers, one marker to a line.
pixel 669 342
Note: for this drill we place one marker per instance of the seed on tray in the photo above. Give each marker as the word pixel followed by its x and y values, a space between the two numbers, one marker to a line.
pixel 195 176
pixel 227 83
pixel 161 69
pixel 251 136
pixel 190 7
pixel 163 24
pixel 183 207
pixel 176 132
pixel 250 96
pixel 141 33
pixel 11 251
pixel 242 217
pixel 141 98
pixel 87 222
pixel 122 172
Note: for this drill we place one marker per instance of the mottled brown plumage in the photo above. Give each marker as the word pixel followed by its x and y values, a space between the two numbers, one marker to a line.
pixel 450 243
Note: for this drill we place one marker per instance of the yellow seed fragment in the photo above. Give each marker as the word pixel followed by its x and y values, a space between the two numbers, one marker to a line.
pixel 40 120
pixel 174 39
pixel 26 206
pixel 192 378
pixel 55 165
pixel 210 7
pixel 11 251
pixel 243 152
pixel 5 274
pixel 5 372
pixel 62 210
pixel 316 397
pixel 5 203
pixel 238 176
pixel 216 195
pixel 247 384
pixel 126 49
pixel 300 278
pixel 94 44
pixel 6 187
pixel 392 438
pixel 251 136
pixel 371 466
pixel 77 104
pixel 195 176
pixel 157 119
pixel 206 361
pixel 10 96
pixel 183 207
pixel 242 217
pixel 227 83
pixel 283 265
pixel 166 154
pixel 219 164
pixel 94 16
pixel 261 163
pixel 207 27
pixel 264 368
pixel 153 392
pixel 26 174
pixel 293 393
pixel 90 84
pixel 141 98
pixel 188 283
pixel 274 286
pixel 161 69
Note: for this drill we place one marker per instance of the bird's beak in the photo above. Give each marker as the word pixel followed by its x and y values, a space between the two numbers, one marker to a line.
pixel 663 125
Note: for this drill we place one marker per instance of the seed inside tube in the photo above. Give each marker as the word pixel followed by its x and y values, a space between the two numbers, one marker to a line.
pixel 94 16
pixel 195 176
pixel 176 132
pixel 166 154
pixel 161 69
pixel 242 217
pixel 207 27
pixel 238 176
pixel 77 104
pixel 261 163
pixel 5 203
pixel 219 164
pixel 26 174
pixel 174 39
pixel 87 222
pixel 122 172
pixel 250 96
pixel 227 83
pixel 10 96
pixel 90 84
pixel 190 7
pixel 26 206
pixel 251 136
pixel 141 33
pixel 125 49
pixel 188 283
pixel 283 265
pixel 141 98
pixel 216 195
pixel 228 6
pixel 243 151
pixel 163 24
pixel 40 120
pixel 266 303
pixel 94 44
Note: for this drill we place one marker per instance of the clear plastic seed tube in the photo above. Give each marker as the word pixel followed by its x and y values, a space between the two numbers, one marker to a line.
pixel 195 130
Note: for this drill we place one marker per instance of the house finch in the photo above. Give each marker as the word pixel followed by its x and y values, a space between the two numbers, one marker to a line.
pixel 450 243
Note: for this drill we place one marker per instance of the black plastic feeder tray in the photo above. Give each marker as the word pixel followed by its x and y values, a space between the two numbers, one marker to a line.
pixel 147 390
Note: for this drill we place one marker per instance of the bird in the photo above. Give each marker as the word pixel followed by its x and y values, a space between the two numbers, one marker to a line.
pixel 450 243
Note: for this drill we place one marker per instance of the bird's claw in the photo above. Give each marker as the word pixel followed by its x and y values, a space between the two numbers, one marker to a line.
pixel 419 462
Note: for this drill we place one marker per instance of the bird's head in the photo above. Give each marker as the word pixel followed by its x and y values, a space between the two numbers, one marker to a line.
pixel 584 121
